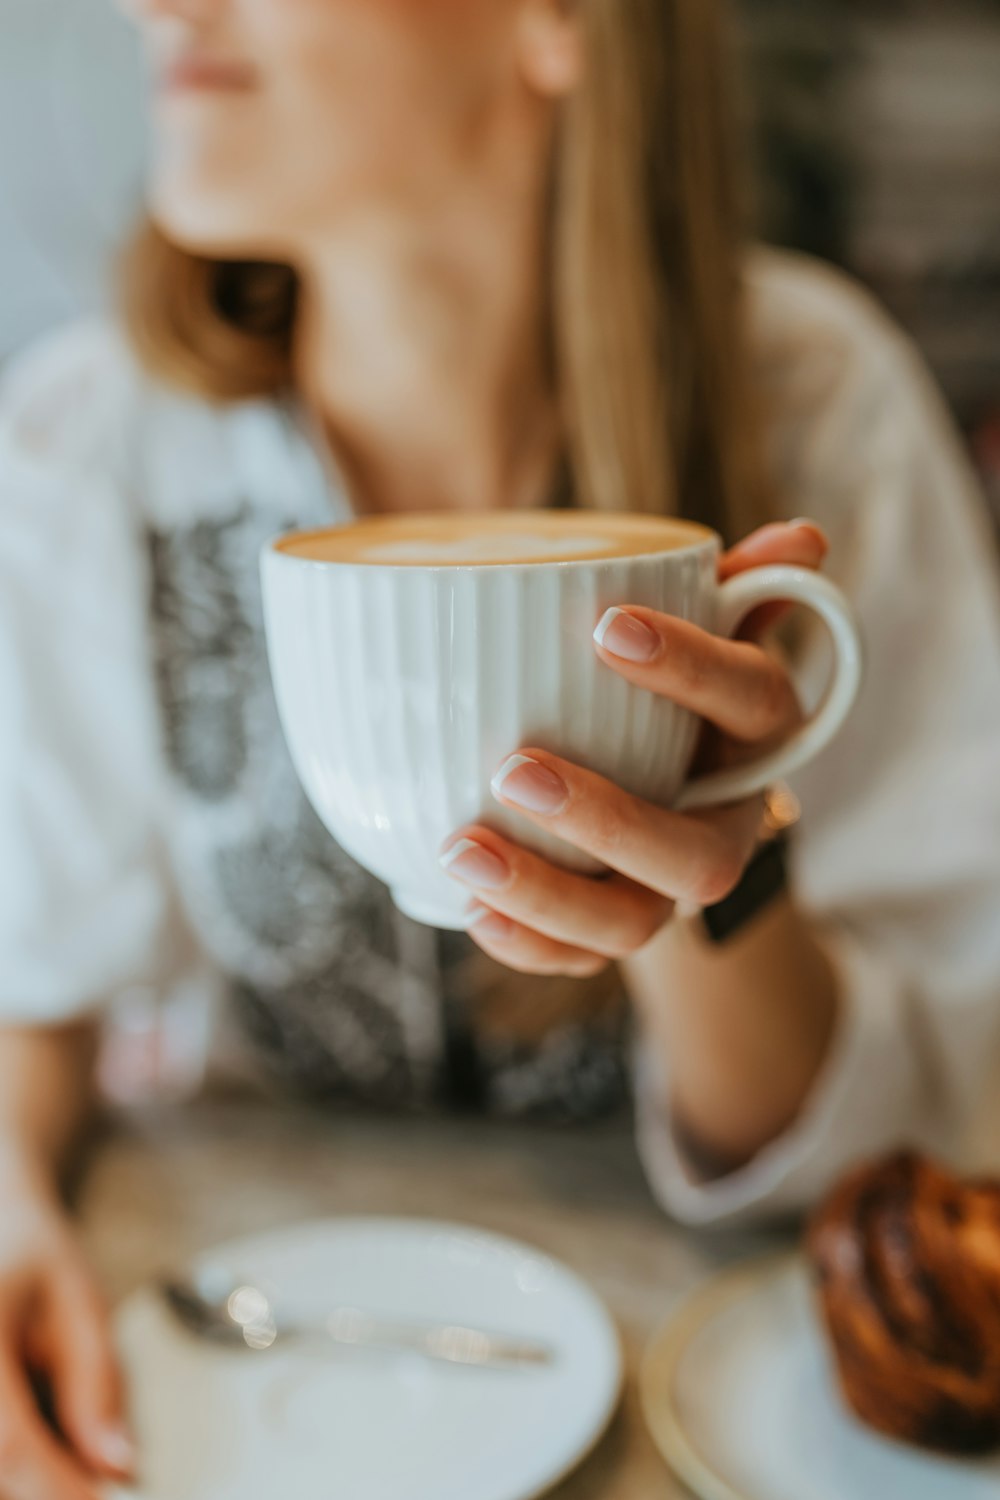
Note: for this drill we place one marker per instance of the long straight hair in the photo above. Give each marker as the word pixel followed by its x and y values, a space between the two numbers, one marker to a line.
pixel 646 311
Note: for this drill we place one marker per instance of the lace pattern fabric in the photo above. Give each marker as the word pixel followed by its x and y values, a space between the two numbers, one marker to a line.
pixel 340 993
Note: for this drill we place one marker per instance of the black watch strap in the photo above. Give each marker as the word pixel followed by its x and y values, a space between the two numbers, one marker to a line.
pixel 764 880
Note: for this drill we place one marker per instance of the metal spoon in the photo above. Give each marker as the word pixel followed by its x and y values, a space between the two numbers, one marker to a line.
pixel 243 1317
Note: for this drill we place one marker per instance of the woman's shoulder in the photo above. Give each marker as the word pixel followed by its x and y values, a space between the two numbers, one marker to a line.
pixel 66 398
pixel 788 286
pixel 816 330
pixel 78 405
pixel 833 372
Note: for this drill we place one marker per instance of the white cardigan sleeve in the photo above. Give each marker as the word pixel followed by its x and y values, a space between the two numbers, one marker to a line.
pixel 84 899
pixel 898 854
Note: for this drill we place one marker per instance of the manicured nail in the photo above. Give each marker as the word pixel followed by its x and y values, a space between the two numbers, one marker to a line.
pixel 116 1449
pixel 625 636
pixel 488 924
pixel 530 785
pixel 476 865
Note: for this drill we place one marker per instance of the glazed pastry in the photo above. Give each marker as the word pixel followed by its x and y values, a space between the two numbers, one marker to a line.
pixel 908 1265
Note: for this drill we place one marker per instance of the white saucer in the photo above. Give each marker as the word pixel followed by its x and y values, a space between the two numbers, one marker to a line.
pixel 740 1398
pixel 215 1424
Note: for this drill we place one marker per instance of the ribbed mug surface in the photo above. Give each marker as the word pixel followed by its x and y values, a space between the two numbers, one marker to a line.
pixel 402 689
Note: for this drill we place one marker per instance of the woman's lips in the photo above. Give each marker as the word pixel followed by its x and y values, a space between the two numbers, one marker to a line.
pixel 206 73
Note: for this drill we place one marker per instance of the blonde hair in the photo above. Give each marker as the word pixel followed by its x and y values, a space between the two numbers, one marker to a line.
pixel 647 321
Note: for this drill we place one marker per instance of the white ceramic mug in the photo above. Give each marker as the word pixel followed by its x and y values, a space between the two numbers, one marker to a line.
pixel 401 689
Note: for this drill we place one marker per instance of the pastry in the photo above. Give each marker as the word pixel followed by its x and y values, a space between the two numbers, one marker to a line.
pixel 907 1259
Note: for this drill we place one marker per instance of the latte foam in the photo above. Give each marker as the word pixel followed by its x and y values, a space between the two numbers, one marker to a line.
pixel 498 539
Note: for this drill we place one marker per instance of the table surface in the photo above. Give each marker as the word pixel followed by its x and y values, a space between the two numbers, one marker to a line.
pixel 176 1182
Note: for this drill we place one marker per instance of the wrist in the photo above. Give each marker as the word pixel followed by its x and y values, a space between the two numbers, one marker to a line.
pixel 764 880
pixel 743 1029
pixel 25 1171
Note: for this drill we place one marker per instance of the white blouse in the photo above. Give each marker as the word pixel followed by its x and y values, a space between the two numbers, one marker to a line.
pixel 102 859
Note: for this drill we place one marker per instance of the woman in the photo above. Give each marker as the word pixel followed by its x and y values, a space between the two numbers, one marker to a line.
pixel 472 253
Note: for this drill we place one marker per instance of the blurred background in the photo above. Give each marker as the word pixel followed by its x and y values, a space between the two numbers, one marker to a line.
pixel 877 136
pixel 876 129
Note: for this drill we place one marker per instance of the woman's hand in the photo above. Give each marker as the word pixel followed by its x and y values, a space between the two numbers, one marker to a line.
pixel 538 918
pixel 54 1333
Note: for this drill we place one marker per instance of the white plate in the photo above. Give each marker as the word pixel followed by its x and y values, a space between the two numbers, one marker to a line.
pixel 216 1424
pixel 740 1398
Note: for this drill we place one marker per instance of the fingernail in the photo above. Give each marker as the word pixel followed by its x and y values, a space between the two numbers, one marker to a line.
pixel 116 1449
pixel 488 924
pixel 625 636
pixel 530 785
pixel 807 524
pixel 476 865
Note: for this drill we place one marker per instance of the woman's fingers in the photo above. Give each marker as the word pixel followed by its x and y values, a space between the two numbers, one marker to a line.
pixel 735 685
pixel 539 918
pixel 528 951
pixel 84 1372
pixel 799 544
pixel 695 859
pixel 33 1462
pixel 612 917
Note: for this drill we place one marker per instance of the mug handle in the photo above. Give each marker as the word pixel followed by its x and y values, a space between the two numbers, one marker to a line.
pixel 735 600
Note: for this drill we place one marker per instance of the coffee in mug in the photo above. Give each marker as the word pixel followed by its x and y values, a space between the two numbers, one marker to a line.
pixel 412 654
pixel 499 539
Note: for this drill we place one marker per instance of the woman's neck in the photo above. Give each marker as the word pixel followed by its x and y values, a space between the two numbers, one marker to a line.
pixel 422 350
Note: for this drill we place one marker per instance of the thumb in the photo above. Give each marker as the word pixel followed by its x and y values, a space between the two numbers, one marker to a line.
pixel 798 544
pixel 84 1371
pixel 795 543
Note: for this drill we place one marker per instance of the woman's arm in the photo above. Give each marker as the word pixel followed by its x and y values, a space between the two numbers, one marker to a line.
pixel 896 875
pixel 743 1030
pixel 54 1324
pixel 46 1094
pixel 87 908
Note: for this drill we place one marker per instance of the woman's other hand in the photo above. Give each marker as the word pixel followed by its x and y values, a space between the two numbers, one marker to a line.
pixel 55 1336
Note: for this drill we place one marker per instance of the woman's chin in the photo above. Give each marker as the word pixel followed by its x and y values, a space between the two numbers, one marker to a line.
pixel 205 224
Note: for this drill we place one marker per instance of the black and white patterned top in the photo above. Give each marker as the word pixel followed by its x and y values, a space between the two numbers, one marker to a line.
pixel 344 994
pixel 339 993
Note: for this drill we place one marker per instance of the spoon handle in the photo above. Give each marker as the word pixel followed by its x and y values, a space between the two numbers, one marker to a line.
pixel 450 1342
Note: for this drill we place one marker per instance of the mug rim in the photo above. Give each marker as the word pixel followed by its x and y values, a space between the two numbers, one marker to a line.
pixel 702 537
